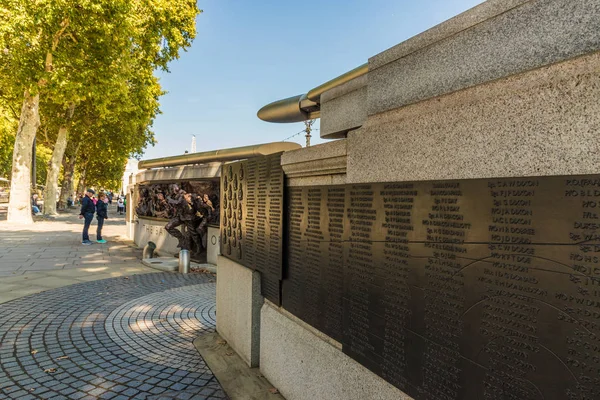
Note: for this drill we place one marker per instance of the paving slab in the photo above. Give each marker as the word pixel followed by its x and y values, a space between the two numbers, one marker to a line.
pixel 239 381
pixel 93 322
pixel 49 254
pixel 128 337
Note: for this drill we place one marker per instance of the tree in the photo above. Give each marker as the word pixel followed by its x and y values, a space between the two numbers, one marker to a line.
pixel 48 46
pixel 33 34
pixel 157 31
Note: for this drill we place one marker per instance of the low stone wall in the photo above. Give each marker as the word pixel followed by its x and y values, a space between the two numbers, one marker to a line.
pixel 153 230
pixel 302 363
pixel 238 307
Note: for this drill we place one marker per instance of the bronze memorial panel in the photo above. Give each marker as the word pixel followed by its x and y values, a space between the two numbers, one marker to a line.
pixel 471 289
pixel 313 284
pixel 252 218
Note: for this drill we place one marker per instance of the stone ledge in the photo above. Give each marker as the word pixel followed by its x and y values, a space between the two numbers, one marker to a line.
pixel 171 264
pixel 345 88
pixel 323 159
pixel 476 15
pixel 345 111
pixel 526 36
pixel 539 123
pixel 238 380
pixel 187 172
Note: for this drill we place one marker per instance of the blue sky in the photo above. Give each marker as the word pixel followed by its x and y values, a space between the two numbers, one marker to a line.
pixel 250 53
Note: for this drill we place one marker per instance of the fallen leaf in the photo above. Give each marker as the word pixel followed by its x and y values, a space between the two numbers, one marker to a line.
pixel 50 370
pixel 229 353
pixel 62 358
pixel 34 351
pixel 273 391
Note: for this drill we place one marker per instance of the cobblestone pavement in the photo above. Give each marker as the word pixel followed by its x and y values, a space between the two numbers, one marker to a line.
pixel 119 338
pixel 56 245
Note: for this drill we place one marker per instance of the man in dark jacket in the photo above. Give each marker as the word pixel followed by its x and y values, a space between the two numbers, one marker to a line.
pixel 88 209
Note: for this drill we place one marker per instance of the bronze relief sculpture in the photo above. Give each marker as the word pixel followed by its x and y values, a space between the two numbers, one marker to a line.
pixel 190 205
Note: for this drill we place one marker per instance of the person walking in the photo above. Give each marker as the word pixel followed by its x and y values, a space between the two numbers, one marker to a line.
pixel 120 206
pixel 101 215
pixel 87 214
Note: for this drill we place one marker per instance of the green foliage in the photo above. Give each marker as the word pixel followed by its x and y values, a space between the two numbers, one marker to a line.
pixel 8 126
pixel 42 157
pixel 97 57
pixel 7 142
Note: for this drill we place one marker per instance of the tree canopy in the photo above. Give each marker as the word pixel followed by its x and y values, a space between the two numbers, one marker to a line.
pixel 82 72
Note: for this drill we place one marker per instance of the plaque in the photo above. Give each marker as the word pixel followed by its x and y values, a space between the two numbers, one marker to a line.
pixel 253 222
pixel 471 289
pixel 313 260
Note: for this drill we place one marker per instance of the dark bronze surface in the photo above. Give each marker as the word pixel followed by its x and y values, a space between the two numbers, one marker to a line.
pixel 474 289
pixel 153 198
pixel 187 222
pixel 312 288
pixel 252 219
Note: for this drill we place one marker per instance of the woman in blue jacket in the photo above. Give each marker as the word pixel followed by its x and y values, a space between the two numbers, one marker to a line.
pixel 101 214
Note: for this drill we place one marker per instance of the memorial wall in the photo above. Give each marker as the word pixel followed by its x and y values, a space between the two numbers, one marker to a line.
pixel 251 219
pixel 456 289
pixel 468 289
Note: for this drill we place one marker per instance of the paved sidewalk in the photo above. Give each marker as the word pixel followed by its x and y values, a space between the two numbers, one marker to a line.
pixel 110 339
pixel 56 245
pixel 92 322
pixel 49 254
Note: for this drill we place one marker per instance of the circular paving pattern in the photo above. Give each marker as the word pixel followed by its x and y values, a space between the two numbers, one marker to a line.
pixel 120 338
pixel 169 321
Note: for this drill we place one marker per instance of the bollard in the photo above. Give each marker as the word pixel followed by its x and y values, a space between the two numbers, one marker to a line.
pixel 184 261
pixel 149 250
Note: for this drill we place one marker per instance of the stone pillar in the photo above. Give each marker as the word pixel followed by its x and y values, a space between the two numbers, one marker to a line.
pixel 213 245
pixel 238 308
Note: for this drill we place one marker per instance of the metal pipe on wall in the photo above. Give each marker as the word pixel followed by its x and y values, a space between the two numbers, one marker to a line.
pixel 236 153
pixel 306 106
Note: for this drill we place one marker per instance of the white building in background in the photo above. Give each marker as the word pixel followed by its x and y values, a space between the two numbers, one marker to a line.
pixel 193 148
pixel 130 169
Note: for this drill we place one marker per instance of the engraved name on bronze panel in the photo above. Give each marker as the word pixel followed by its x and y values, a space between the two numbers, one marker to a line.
pixel 312 288
pixel 471 289
pixel 444 288
pixel 363 276
pixel 294 275
pixel 275 216
pixel 332 274
pixel 398 203
pixel 252 227
pixel 249 206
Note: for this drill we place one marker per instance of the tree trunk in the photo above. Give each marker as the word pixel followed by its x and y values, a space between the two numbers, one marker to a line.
pixel 19 207
pixel 68 177
pixel 55 163
pixel 54 171
pixel 81 184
